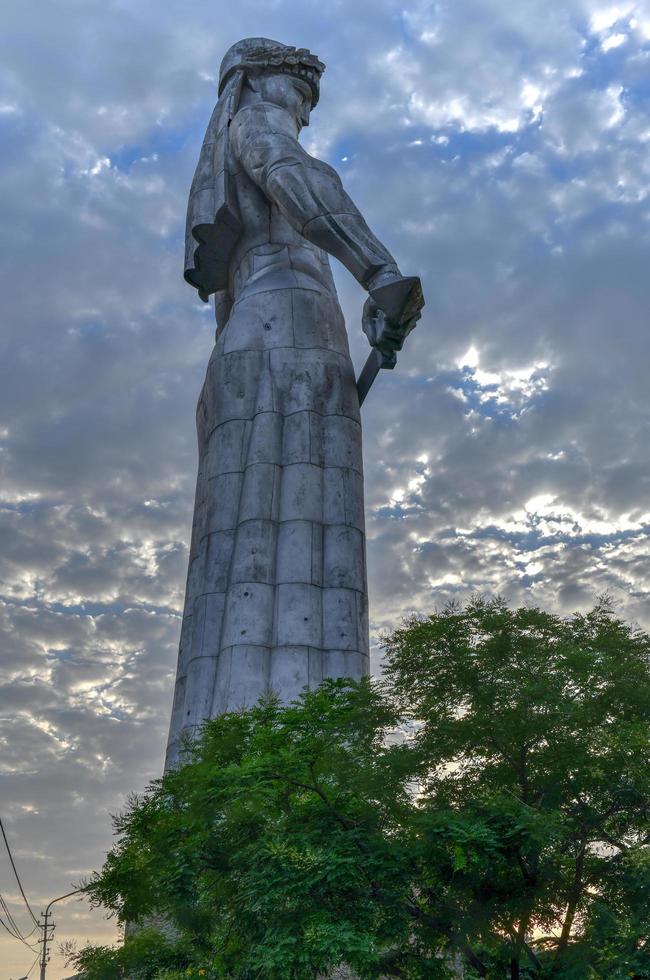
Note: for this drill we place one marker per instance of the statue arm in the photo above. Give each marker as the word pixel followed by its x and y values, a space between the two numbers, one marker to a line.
pixel 308 192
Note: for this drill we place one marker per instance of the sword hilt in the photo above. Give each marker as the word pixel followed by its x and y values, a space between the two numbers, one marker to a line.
pixel 390 314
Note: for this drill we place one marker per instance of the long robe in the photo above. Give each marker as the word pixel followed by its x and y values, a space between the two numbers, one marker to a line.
pixel 276 593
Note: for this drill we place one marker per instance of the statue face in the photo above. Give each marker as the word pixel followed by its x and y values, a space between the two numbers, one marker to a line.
pixel 290 93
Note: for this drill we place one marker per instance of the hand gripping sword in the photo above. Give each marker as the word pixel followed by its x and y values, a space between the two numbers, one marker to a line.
pixel 390 313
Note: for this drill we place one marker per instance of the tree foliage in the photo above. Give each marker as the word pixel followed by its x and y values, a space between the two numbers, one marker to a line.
pixel 487 803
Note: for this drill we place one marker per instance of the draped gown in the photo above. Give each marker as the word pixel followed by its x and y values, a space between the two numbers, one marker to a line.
pixel 276 594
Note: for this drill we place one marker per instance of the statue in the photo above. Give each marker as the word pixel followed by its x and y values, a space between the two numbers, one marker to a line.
pixel 276 591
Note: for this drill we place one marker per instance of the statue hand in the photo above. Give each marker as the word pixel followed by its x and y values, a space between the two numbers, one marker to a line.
pixel 383 333
pixel 372 320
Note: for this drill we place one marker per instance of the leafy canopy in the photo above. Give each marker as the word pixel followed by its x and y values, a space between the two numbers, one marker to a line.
pixel 485 804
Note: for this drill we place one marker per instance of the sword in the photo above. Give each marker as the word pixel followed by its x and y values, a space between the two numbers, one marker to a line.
pixel 390 313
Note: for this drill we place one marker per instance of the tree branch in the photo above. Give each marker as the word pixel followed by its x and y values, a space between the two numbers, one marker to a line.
pixel 412 909
pixel 575 891
pixel 530 952
pixel 459 941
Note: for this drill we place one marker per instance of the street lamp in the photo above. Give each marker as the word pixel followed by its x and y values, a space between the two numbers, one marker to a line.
pixel 44 958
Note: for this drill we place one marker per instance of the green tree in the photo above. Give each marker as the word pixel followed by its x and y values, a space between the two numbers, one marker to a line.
pixel 535 731
pixel 488 801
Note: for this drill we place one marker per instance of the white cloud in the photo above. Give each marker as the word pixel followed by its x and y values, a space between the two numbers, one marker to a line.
pixel 613 41
pixel 605 17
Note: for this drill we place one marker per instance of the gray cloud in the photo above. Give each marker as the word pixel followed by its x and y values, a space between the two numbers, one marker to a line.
pixel 501 153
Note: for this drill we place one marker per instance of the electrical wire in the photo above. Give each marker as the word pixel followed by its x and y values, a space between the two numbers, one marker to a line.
pixel 10 931
pixel 10 919
pixel 31 946
pixel 12 922
pixel 13 928
pixel 33 965
pixel 14 936
pixel 13 865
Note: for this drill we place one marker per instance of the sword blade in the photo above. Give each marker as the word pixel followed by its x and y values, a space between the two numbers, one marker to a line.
pixel 368 374
pixel 399 304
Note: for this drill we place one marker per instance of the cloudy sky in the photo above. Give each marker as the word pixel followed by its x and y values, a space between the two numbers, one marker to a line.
pixel 501 151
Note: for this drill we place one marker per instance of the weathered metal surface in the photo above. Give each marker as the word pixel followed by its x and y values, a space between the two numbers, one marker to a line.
pixel 276 593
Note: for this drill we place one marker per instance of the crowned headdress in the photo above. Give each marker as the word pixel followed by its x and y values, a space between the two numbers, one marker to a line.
pixel 213 222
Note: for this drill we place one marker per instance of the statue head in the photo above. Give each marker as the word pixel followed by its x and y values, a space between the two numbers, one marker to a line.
pixel 253 69
pixel 280 73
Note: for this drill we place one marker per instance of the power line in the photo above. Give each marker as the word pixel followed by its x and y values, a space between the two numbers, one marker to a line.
pixel 14 928
pixel 10 919
pixel 11 926
pixel 29 972
pixel 12 922
pixel 17 936
pixel 13 865
pixel 10 931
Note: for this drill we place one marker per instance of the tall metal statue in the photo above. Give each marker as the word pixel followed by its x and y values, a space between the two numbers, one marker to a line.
pixel 276 590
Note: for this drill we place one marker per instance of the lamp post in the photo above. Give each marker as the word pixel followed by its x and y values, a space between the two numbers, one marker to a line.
pixel 46 915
